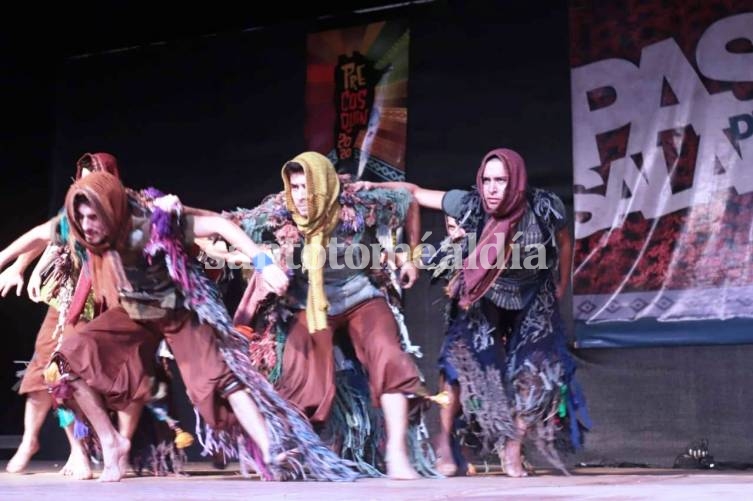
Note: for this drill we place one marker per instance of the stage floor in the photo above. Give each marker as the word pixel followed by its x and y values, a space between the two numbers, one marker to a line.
pixel 205 483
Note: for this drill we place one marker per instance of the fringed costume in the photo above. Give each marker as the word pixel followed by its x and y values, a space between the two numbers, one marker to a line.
pixel 150 289
pixel 505 345
pixel 337 340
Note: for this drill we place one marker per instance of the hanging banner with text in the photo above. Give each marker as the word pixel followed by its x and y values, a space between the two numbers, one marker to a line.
pixel 662 106
pixel 356 98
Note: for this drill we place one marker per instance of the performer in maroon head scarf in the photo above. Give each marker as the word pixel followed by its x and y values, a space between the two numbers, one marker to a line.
pixel 505 348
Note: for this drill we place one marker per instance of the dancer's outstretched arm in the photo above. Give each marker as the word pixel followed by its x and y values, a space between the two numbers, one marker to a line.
pixel 431 199
pixel 34 241
pixel 34 289
pixel 13 276
pixel 207 226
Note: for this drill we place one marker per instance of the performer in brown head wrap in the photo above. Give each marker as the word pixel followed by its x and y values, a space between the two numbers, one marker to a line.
pixel 38 400
pixel 148 288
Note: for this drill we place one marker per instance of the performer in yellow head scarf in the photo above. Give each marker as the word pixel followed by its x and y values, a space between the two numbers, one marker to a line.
pixel 316 212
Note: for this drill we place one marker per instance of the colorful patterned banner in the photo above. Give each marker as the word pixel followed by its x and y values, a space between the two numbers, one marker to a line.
pixel 662 99
pixel 356 98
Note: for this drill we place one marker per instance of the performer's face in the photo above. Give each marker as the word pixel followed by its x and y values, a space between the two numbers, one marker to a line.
pixel 92 226
pixel 494 182
pixel 299 192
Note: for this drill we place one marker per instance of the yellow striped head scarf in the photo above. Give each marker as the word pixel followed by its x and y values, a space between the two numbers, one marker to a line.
pixel 323 187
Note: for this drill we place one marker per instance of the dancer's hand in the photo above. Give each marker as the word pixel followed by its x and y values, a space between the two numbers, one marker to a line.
pixel 34 289
pixel 560 290
pixel 275 279
pixel 457 233
pixel 11 278
pixel 363 185
pixel 408 274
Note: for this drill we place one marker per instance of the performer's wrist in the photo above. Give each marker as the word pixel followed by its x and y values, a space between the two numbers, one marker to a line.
pixel 408 262
pixel 416 253
pixel 261 260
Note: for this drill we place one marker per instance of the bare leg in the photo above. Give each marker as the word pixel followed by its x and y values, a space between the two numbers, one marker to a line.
pixel 38 404
pixel 77 467
pixel 128 420
pixel 395 407
pixel 251 420
pixel 511 457
pixel 114 445
pixel 445 462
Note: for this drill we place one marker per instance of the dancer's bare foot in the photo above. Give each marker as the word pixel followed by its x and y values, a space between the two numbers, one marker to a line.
pixel 77 467
pixel 399 467
pixel 21 458
pixel 287 455
pixel 113 455
pixel 124 465
pixel 445 463
pixel 447 467
pixel 527 466
pixel 219 460
pixel 512 463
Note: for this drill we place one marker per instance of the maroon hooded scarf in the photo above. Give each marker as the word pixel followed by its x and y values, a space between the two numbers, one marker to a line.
pixel 498 230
